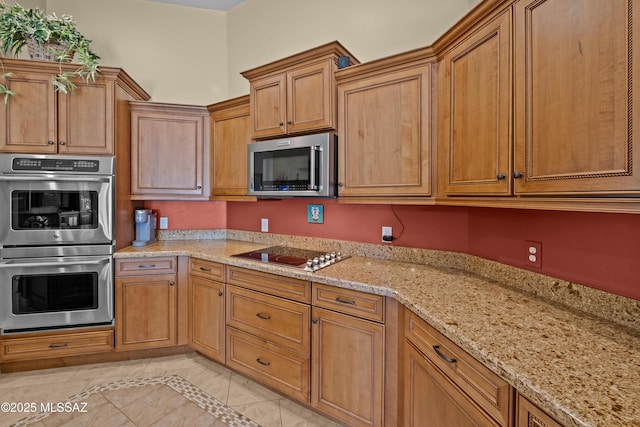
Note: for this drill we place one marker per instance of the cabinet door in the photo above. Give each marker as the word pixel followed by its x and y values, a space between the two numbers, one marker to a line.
pixel 347 367
pixel 167 153
pixel 206 317
pixel 268 106
pixel 28 121
pixel 230 134
pixel 433 400
pixel 85 119
pixel 529 415
pixel 576 111
pixel 475 119
pixel 146 312
pixel 310 98
pixel 384 134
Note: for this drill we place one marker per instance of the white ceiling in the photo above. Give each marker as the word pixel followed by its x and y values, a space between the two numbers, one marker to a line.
pixel 221 5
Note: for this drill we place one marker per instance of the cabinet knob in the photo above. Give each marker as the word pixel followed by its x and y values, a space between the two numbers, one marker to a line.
pixel 289 122
pixel 314 321
pixel 340 184
pixel 199 187
pixel 61 142
pixel 50 142
pixel 281 124
pixel 172 283
pixel 500 176
pixel 220 293
pixel 517 174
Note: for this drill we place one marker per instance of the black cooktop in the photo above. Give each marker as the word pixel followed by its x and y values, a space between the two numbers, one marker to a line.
pixel 293 257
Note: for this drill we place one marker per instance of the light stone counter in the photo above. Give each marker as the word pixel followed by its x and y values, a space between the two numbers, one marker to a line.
pixel 582 370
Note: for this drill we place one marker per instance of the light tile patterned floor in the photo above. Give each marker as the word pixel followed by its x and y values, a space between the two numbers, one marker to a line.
pixel 167 391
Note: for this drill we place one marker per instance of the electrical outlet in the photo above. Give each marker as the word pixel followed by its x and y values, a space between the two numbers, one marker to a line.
pixel 264 225
pixel 164 223
pixel 387 234
pixel 534 254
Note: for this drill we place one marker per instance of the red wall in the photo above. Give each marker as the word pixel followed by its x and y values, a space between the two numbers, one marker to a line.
pixel 594 249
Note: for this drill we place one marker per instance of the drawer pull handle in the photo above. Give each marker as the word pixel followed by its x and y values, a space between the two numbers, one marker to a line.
pixel 61 345
pixel 442 356
pixel 263 316
pixel 263 363
pixel 208 270
pixel 345 301
pixel 147 266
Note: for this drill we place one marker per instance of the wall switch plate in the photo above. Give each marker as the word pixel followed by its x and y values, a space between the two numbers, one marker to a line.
pixel 164 223
pixel 387 234
pixel 534 253
pixel 264 225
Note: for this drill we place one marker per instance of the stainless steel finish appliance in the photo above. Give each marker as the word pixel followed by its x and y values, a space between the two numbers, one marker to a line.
pixel 145 220
pixel 55 200
pixel 56 241
pixel 298 166
pixel 55 292
pixel 305 259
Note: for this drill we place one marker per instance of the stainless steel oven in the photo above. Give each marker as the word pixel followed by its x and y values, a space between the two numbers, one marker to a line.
pixel 55 292
pixel 55 200
pixel 56 241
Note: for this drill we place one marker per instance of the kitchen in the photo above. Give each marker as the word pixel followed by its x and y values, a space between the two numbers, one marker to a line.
pixel 602 258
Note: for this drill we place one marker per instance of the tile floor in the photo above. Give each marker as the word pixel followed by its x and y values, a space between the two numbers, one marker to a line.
pixel 248 398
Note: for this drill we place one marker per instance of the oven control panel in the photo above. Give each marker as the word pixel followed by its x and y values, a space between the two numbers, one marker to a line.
pixel 55 164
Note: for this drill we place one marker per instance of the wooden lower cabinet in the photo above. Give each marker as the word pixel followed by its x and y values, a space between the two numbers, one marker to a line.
pixel 445 386
pixel 283 370
pixel 146 303
pixel 268 331
pixel 433 400
pixel 48 345
pixel 207 309
pixel 529 415
pixel 348 367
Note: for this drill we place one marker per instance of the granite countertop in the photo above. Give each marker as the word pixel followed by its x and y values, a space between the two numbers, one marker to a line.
pixel 582 370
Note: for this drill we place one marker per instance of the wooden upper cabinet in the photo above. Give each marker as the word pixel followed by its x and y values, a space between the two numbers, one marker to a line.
pixel 475 146
pixel 576 110
pixel 384 129
pixel 169 151
pixel 230 135
pixel 40 120
pixel 296 94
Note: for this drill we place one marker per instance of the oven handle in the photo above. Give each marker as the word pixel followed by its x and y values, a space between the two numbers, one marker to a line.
pixel 58 263
pixel 83 178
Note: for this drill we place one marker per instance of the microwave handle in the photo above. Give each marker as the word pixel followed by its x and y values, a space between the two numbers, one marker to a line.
pixel 313 185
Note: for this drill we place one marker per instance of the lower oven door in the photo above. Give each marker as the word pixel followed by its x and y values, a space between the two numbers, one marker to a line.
pixel 52 293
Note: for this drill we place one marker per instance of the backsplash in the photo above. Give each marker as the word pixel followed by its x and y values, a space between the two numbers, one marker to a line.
pixel 605 305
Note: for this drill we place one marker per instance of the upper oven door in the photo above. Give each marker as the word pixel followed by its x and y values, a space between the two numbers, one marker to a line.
pixel 37 209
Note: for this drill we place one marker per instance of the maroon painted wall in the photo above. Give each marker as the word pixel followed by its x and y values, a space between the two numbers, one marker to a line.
pixel 594 249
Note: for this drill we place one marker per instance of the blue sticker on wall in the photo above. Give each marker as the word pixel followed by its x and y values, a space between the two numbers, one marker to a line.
pixel 315 214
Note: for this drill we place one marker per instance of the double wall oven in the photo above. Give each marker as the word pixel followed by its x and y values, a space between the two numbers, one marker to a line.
pixel 56 242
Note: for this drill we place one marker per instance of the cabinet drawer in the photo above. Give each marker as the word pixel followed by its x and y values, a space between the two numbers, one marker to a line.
pixel 367 306
pixel 277 367
pixel 145 266
pixel 42 347
pixel 490 391
pixel 286 287
pixel 281 321
pixel 207 269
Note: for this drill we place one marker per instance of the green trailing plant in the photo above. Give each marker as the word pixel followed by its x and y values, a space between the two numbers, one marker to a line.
pixel 19 25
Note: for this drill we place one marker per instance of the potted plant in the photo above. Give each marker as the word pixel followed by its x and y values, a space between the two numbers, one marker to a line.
pixel 48 37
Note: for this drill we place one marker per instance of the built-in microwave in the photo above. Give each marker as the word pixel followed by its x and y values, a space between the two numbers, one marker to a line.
pixel 297 166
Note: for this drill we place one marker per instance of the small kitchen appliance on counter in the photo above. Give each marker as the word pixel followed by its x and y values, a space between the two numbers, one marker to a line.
pixel 293 257
pixel 146 221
